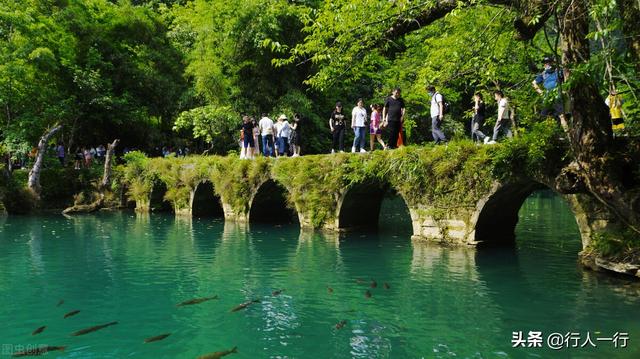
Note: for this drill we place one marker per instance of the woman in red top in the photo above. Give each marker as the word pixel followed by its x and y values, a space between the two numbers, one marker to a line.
pixel 374 128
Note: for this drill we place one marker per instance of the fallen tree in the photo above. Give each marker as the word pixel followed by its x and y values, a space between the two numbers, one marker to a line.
pixel 99 195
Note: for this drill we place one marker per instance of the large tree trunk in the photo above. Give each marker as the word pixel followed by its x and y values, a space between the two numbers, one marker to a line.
pixel 589 127
pixel 99 203
pixel 34 173
pixel 106 177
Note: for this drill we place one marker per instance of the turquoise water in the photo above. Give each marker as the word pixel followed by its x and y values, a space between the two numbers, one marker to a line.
pixel 442 302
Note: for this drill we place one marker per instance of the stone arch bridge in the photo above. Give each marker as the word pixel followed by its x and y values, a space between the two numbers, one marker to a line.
pixel 456 194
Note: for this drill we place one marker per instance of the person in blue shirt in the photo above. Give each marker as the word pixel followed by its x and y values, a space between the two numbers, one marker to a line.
pixel 550 79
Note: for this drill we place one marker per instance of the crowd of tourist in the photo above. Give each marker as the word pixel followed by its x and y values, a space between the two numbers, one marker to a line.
pixel 283 137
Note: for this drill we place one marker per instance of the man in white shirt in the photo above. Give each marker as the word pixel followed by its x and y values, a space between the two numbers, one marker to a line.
pixel 503 123
pixel 266 131
pixel 437 115
pixel 358 118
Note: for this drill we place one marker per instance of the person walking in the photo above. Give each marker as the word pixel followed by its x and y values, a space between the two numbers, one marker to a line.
pixel 337 125
pixel 255 134
pixel 478 118
pixel 295 134
pixel 393 114
pixel 437 115
pixel 550 80
pixel 87 157
pixel 503 123
pixel 60 153
pixel 247 137
pixel 79 157
pixel 267 131
pixel 101 152
pixel 283 131
pixel 614 102
pixel 358 119
pixel 375 131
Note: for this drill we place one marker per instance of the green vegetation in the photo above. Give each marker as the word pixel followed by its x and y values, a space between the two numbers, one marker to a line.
pixel 159 73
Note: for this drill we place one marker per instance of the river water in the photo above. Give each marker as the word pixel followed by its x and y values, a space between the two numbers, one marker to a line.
pixel 440 303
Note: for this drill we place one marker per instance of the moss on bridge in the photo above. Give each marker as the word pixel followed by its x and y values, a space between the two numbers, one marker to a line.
pixel 440 179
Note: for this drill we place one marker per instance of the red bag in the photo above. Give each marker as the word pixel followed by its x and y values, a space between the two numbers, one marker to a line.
pixel 400 139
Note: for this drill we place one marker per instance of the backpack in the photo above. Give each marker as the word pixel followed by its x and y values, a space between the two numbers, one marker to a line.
pixel 446 106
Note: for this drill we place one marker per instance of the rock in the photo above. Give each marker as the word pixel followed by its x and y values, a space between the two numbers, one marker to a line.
pixel 619 267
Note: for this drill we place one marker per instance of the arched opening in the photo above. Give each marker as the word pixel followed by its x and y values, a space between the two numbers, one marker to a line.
pixel 372 206
pixel 205 202
pixel 539 260
pixel 157 202
pixel 269 205
pixel 125 201
pixel 499 216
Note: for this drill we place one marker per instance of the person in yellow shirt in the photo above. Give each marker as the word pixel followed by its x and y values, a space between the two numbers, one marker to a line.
pixel 614 102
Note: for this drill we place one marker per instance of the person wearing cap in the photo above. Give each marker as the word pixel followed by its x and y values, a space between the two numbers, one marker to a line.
pixel 337 124
pixel 550 79
pixel 283 131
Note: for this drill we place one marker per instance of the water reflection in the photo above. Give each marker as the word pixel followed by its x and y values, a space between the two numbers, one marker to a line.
pixel 440 302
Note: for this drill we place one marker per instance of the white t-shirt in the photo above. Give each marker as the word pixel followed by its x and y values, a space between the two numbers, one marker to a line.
pixel 505 105
pixel 266 126
pixel 436 99
pixel 359 116
pixel 283 129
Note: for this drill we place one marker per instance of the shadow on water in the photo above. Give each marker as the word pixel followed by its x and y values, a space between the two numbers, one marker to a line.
pixel 537 283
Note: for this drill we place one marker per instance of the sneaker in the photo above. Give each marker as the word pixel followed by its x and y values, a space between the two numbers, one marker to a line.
pixel 353 150
pixel 486 140
pixel 333 151
pixel 341 151
pixel 492 142
pixel 362 150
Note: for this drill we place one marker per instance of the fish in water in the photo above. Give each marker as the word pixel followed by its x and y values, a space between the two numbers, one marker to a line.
pixel 341 324
pixel 367 294
pixel 156 338
pixel 218 355
pixel 374 284
pixel 196 301
pixel 92 329
pixel 71 313
pixel 329 289
pixel 277 292
pixel 244 305
pixel 37 351
pixel 386 285
pixel 61 302
pixel 359 280
pixel 39 330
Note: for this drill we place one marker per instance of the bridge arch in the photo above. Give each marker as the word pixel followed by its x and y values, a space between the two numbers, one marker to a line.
pixel 496 216
pixel 157 202
pixel 205 202
pixel 359 206
pixel 269 205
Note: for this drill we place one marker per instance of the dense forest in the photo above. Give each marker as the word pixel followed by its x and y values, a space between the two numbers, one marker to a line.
pixel 156 73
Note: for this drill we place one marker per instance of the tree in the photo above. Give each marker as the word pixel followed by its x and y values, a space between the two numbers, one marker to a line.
pixel 341 44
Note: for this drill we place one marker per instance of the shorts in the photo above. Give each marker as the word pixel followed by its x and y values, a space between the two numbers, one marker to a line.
pixel 248 142
pixel 373 131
